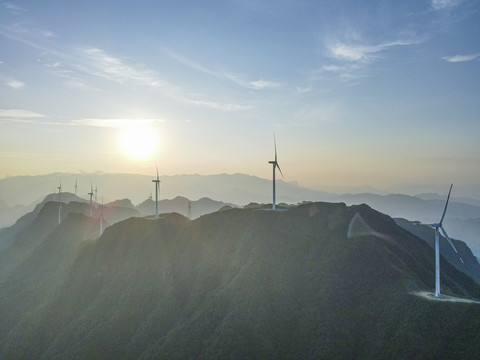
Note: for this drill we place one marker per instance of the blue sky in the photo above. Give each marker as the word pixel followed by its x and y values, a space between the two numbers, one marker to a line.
pixel 379 93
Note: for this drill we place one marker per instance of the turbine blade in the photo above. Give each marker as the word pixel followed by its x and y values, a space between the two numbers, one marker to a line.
pixel 446 204
pixel 156 165
pixel 275 145
pixel 278 166
pixel 448 238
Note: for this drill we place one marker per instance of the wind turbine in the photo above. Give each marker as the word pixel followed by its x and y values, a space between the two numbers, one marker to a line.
pixel 96 190
pixel 275 165
pixel 59 202
pixel 189 209
pixel 76 187
pixel 91 194
pixel 101 220
pixel 439 227
pixel 157 190
pixel 151 200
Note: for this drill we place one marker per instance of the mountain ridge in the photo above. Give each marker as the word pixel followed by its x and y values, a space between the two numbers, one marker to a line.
pixel 247 283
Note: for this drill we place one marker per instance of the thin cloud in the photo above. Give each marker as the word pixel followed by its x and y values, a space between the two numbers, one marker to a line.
pixel 236 79
pixel 218 106
pixel 13 7
pixel 116 123
pixel 16 113
pixel 461 58
pixel 48 33
pixel 363 53
pixel 303 90
pixel 15 84
pixel 444 4
pixel 353 60
pixel 78 66
pixel 111 68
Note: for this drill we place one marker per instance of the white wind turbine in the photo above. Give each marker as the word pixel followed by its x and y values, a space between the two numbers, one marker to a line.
pixel 439 227
pixel 101 224
pixel 157 190
pixel 150 202
pixel 59 202
pixel 101 219
pixel 91 195
pixel 275 165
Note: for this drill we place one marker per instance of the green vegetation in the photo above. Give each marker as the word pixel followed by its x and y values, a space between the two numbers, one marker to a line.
pixel 238 283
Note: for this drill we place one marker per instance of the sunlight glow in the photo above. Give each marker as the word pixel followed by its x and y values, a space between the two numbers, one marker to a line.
pixel 138 142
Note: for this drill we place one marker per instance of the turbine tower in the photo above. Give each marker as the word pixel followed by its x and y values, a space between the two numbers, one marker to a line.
pixel 59 190
pixel 59 202
pixel 76 187
pixel 275 165
pixel 157 190
pixel 101 223
pixel 439 227
pixel 151 200
pixel 91 195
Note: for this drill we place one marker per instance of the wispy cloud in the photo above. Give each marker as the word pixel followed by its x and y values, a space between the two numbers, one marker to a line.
pixel 15 113
pixel 111 68
pixel 444 4
pixel 240 80
pixel 303 90
pixel 116 123
pixel 14 84
pixel 461 58
pixel 350 61
pixel 80 67
pixel 218 105
pixel 13 7
pixel 363 53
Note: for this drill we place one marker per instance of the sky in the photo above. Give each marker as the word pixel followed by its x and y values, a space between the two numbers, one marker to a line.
pixel 358 93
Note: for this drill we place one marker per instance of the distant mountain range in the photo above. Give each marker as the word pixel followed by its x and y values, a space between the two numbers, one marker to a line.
pixel 462 217
pixel 305 282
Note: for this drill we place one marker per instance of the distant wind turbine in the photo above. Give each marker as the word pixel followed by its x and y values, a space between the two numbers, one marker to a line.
pixel 59 190
pixel 96 190
pixel 439 227
pixel 275 165
pixel 91 195
pixel 101 220
pixel 189 209
pixel 151 200
pixel 59 202
pixel 76 187
pixel 157 190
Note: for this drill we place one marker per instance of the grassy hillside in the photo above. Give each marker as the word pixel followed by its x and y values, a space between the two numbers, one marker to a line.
pixel 242 283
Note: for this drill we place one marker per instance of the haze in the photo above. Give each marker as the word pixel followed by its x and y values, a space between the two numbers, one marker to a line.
pixel 358 93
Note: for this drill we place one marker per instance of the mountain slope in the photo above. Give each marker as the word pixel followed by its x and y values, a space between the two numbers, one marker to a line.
pixel 250 283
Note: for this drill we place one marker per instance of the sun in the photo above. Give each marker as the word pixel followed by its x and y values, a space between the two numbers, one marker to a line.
pixel 138 142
